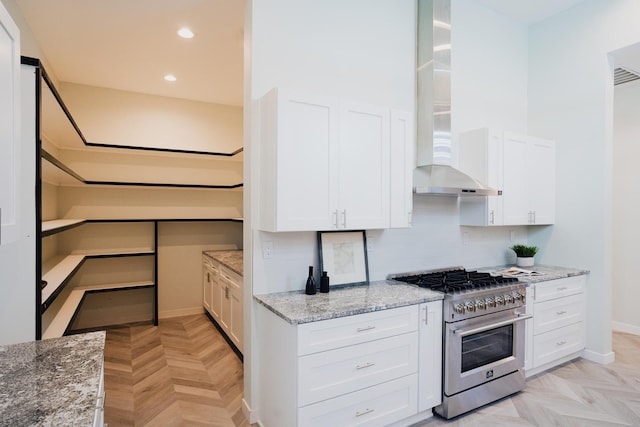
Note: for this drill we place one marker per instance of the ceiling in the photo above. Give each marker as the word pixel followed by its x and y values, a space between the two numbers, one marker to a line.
pixel 131 44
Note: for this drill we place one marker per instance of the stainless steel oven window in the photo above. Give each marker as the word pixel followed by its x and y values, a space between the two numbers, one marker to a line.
pixel 486 347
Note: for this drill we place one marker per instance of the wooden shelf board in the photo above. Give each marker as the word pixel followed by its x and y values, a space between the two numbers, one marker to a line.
pixel 115 286
pixel 115 252
pixel 58 225
pixel 57 270
pixel 60 322
pixel 63 318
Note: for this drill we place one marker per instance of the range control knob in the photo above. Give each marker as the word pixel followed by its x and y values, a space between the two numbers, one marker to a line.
pixel 490 302
pixel 508 299
pixel 480 304
pixel 499 300
pixel 517 296
pixel 459 308
pixel 470 306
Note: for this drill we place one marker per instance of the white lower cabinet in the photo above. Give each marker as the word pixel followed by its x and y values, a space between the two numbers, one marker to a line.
pixel 370 369
pixel 557 331
pixel 222 298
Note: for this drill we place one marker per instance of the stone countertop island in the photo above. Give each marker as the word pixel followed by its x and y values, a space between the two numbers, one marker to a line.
pixel 229 258
pixel 52 382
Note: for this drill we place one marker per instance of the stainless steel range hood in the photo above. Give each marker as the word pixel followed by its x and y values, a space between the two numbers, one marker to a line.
pixel 434 174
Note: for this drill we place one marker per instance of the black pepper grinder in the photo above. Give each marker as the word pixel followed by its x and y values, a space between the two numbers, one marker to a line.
pixel 324 283
pixel 310 289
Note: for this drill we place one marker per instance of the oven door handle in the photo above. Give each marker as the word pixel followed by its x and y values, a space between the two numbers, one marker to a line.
pixel 464 333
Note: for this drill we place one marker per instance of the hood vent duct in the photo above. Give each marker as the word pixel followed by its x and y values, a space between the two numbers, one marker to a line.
pixel 434 174
pixel 624 75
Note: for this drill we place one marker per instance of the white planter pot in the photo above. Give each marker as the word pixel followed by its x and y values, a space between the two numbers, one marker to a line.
pixel 524 261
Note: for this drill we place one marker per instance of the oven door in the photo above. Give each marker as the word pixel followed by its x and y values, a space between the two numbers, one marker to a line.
pixel 483 349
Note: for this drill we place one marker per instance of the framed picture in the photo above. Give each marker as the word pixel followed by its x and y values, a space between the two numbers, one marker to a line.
pixel 343 255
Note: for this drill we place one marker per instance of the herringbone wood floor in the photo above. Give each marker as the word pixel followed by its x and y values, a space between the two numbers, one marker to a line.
pixel 181 373
pixel 577 394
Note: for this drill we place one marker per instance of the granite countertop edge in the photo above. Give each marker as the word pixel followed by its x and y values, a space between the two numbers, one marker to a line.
pixel 549 272
pixel 232 259
pixel 295 307
pixel 51 382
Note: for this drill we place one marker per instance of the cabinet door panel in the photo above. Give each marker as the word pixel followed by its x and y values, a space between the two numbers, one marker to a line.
pixel 401 172
pixel 542 181
pixel 430 359
pixel 216 291
pixel 364 163
pixel 516 197
pixel 307 134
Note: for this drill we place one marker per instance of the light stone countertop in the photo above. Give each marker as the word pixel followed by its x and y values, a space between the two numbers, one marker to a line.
pixel 549 272
pixel 51 382
pixel 296 307
pixel 232 259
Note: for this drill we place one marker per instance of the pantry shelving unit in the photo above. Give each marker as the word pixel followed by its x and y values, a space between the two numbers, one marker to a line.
pixel 77 257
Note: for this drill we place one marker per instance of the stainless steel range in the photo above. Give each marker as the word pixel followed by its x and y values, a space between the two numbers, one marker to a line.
pixel 483 336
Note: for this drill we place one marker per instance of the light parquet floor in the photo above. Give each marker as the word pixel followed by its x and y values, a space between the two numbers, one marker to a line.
pixel 576 394
pixel 180 373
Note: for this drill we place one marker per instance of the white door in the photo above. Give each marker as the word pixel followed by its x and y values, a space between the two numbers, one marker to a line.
pixel 17 155
pixel 9 128
pixel 364 164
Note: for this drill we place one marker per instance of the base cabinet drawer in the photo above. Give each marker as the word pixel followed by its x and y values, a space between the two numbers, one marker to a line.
pixel 332 373
pixel 557 313
pixel 373 406
pixel 558 343
pixel 559 288
pixel 345 331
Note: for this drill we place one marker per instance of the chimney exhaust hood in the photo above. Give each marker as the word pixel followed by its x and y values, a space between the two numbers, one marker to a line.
pixel 434 174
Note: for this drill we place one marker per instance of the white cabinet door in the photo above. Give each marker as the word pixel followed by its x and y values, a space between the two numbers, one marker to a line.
pixel 9 129
pixel 298 148
pixel 206 285
pixel 430 356
pixel 481 157
pixel 235 307
pixel 542 180
pixel 517 209
pixel 529 184
pixel 217 291
pixel 363 174
pixel 402 165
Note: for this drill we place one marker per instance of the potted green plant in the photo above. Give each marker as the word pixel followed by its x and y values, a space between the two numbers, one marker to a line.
pixel 525 254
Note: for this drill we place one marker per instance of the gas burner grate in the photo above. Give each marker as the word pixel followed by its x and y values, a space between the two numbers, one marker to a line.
pixel 456 280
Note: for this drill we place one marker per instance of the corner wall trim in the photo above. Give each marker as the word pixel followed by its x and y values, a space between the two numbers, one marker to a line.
pixel 601 358
pixel 249 413
pixel 626 328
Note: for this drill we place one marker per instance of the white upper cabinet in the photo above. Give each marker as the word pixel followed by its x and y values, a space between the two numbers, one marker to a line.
pixel 326 163
pixel 521 166
pixel 529 180
pixel 402 165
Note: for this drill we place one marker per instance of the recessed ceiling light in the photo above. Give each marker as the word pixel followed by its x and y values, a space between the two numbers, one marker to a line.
pixel 185 33
pixel 170 78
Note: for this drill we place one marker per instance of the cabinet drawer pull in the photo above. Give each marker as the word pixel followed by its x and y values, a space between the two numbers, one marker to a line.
pixel 559 313
pixel 562 288
pixel 366 365
pixel 366 328
pixel 365 412
pixel 561 343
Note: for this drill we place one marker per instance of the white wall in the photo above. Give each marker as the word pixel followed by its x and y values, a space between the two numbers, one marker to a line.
pixel 109 116
pixel 626 206
pixel 571 101
pixel 365 51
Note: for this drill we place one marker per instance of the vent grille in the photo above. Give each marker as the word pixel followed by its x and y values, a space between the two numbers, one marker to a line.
pixel 623 75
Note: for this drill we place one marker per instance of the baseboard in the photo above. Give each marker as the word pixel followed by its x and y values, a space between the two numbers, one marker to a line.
pixel 165 314
pixel 625 327
pixel 249 414
pixel 602 358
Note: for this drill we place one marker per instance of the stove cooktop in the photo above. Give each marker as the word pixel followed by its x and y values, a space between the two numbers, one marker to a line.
pixel 455 280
